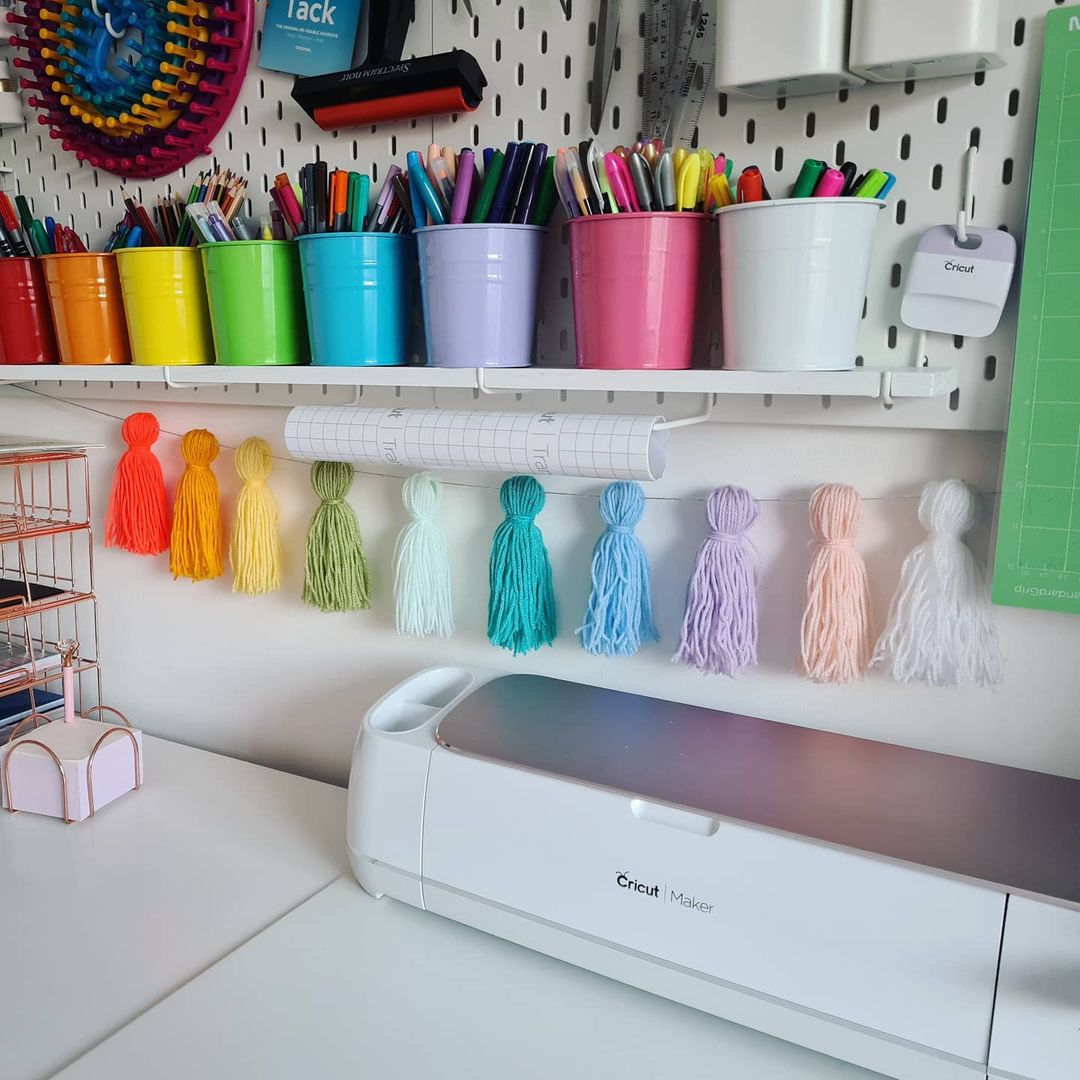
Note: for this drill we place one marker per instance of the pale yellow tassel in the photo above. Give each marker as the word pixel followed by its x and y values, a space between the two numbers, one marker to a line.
pixel 255 553
pixel 196 529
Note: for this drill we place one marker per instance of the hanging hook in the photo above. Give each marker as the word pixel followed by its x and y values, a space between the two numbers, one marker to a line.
pixel 967 196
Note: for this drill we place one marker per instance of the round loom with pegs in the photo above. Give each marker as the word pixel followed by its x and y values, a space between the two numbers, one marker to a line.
pixel 135 87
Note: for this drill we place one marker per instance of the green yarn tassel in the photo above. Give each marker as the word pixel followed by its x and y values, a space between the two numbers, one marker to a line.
pixel 521 607
pixel 335 570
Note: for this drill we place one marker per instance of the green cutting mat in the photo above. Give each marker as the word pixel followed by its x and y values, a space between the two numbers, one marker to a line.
pixel 1038 546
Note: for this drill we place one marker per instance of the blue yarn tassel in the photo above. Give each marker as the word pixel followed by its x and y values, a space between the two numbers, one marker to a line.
pixel 619 616
pixel 521 607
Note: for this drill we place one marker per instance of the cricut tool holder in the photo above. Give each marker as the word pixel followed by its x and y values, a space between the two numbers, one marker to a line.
pixel 26 330
pixel 793 276
pixel 165 302
pixel 88 308
pixel 635 286
pixel 256 304
pixel 358 289
pixel 479 285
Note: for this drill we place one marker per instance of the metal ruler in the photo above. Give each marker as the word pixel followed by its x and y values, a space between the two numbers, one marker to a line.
pixel 680 66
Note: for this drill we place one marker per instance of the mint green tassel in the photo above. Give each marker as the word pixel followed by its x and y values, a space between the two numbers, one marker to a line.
pixel 422 564
pixel 521 607
pixel 335 570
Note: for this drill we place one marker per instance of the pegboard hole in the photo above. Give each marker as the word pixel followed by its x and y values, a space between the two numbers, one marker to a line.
pixel 750 129
pixel 811 125
pixel 954 399
pixel 905 147
pixel 990 368
pixel 894 277
pixel 1007 171
pixel 942 110
pixel 873 119
pixel 936 177
pixel 1018 32
pixel 1014 102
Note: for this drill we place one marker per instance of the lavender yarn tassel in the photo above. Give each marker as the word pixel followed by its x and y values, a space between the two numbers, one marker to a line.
pixel 719 631
pixel 619 615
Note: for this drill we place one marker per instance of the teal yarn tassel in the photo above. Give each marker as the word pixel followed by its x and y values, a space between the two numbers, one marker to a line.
pixel 619 615
pixel 335 570
pixel 422 564
pixel 521 606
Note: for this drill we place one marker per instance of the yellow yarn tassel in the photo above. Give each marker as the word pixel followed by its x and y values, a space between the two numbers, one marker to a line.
pixel 255 552
pixel 197 530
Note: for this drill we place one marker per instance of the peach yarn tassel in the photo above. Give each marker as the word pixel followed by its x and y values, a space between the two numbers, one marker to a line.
pixel 197 530
pixel 836 623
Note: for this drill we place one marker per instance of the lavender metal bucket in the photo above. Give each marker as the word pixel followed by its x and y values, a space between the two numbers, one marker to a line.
pixel 479 285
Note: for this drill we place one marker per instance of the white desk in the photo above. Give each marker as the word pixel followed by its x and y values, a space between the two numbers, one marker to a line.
pixel 101 920
pixel 347 986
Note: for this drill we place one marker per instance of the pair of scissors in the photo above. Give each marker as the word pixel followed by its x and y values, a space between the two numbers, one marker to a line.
pixel 607 33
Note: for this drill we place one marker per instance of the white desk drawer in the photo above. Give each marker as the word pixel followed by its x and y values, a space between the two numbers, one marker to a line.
pixel 1037 1015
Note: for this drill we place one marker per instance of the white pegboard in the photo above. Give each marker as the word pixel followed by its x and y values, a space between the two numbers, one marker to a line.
pixel 538 65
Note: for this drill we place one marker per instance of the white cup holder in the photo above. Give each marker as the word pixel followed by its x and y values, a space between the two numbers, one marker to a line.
pixel 399 717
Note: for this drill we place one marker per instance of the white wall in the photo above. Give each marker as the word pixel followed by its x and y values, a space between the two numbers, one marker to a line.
pixel 274 681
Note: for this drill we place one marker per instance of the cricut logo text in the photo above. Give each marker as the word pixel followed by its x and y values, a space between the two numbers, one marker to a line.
pixel 960 268
pixel 624 881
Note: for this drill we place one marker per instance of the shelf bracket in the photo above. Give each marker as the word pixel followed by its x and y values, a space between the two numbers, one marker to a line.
pixel 172 384
pixel 483 388
pixel 691 421
pixel 886 389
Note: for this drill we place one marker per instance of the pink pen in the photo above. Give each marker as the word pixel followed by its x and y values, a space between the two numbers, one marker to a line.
pixel 622 184
pixel 830 185
pixel 462 188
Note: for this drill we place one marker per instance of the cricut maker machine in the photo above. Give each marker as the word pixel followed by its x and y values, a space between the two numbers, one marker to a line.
pixel 910 912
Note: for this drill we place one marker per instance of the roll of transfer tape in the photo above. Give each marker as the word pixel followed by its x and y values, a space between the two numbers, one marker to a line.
pixel 550 443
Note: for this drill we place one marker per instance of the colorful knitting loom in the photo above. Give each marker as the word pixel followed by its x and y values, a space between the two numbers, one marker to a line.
pixel 134 87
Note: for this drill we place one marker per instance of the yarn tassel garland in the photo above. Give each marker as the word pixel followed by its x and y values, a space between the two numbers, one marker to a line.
pixel 941 628
pixel 255 551
pixel 836 622
pixel 335 569
pixel 422 564
pixel 720 624
pixel 197 531
pixel 521 605
pixel 138 515
pixel 619 615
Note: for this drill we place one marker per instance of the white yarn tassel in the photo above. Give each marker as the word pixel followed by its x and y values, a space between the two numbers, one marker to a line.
pixel 422 565
pixel 941 628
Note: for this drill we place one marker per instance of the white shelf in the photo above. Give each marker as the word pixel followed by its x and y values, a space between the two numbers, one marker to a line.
pixel 861 383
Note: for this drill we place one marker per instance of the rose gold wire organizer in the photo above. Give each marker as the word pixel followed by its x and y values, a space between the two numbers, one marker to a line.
pixel 47 574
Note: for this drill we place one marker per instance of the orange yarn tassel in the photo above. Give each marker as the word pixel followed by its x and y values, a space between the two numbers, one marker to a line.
pixel 836 623
pixel 197 530
pixel 138 517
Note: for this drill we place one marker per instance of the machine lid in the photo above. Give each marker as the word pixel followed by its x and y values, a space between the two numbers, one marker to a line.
pixel 1010 828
